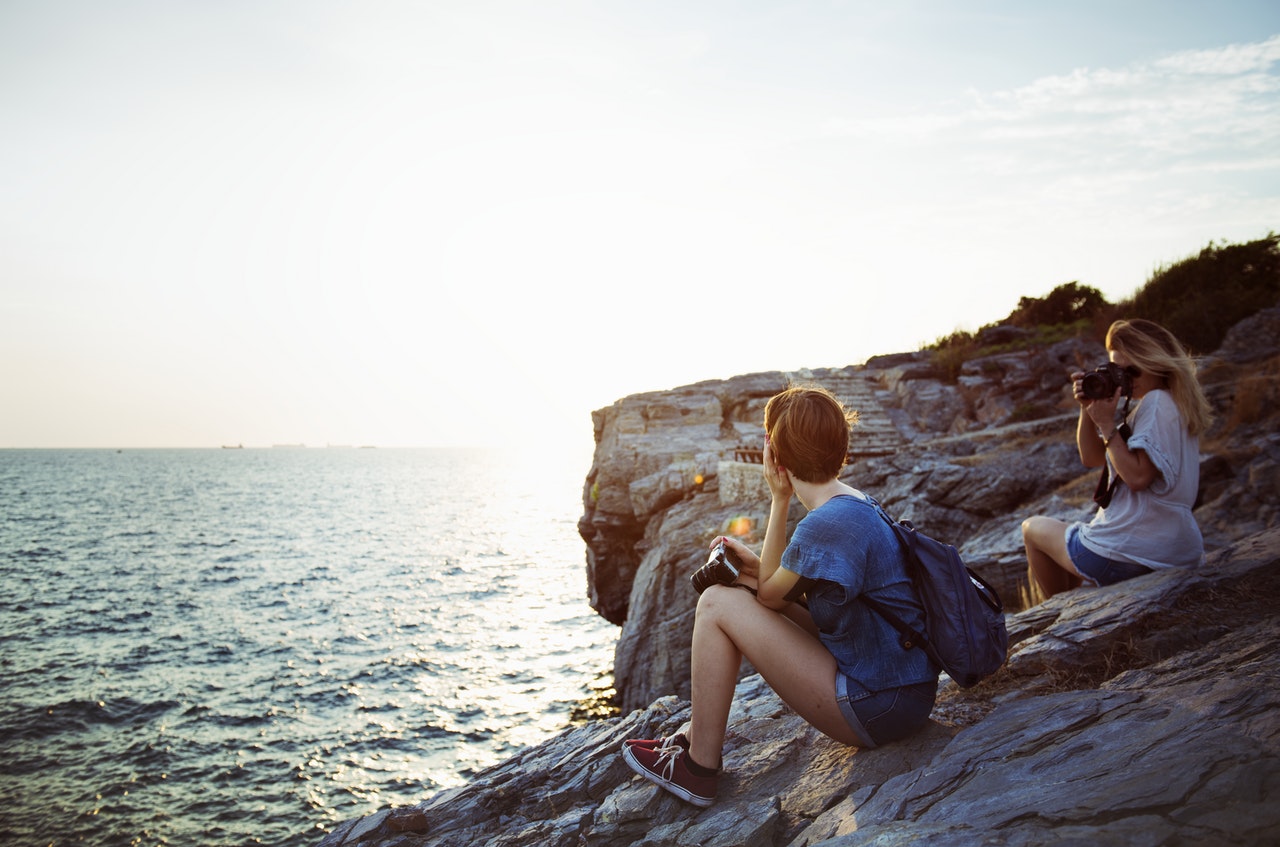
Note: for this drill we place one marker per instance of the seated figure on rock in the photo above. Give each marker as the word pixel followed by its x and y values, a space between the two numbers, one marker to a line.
pixel 794 611
pixel 1150 456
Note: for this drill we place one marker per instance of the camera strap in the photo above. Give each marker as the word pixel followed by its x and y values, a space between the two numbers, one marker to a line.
pixel 1106 485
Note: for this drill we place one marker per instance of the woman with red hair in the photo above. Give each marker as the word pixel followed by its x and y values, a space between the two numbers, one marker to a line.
pixel 799 622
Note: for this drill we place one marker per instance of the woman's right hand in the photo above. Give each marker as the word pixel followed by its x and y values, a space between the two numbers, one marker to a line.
pixel 1077 388
pixel 1101 410
pixel 750 562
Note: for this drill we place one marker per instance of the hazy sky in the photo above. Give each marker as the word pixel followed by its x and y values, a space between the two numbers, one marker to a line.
pixel 464 221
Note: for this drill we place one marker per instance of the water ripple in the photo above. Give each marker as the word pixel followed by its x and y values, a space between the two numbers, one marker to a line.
pixel 230 647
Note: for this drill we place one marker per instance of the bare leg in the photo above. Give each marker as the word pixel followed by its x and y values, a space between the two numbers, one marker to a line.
pixel 797 613
pixel 1049 565
pixel 730 624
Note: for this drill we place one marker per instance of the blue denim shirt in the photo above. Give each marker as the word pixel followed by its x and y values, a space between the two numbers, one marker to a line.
pixel 848 549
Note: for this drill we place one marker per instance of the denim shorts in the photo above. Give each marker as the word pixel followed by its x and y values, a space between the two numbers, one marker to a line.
pixel 1099 569
pixel 878 717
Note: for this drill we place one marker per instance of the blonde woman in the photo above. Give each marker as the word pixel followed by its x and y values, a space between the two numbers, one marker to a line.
pixel 1152 460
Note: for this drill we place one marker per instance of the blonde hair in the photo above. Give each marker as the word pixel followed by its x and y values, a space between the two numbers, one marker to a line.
pixel 1153 349
pixel 808 430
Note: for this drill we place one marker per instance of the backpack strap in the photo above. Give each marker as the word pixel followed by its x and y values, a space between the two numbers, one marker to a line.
pixel 911 637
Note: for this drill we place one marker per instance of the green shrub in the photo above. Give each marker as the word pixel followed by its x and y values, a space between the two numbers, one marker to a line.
pixel 1067 304
pixel 1198 298
pixel 1201 297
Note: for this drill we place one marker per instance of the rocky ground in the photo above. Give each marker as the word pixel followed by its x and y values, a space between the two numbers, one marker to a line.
pixel 1143 713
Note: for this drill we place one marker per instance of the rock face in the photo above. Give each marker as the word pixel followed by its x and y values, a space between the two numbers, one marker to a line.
pixel 659 446
pixel 971 460
pixel 1143 713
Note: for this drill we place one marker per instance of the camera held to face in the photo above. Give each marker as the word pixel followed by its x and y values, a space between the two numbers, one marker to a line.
pixel 722 568
pixel 1101 384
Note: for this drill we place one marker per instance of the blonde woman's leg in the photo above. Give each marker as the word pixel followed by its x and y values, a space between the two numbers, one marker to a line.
pixel 1049 567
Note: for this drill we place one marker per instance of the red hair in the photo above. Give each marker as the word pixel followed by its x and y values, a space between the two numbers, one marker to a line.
pixel 808 430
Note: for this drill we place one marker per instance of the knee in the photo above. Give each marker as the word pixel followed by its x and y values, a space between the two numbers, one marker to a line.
pixel 711 598
pixel 717 599
pixel 1029 529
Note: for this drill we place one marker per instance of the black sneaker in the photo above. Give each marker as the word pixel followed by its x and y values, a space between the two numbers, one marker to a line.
pixel 666 765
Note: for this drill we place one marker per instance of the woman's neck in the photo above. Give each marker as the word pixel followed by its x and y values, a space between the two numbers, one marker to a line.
pixel 1145 384
pixel 813 494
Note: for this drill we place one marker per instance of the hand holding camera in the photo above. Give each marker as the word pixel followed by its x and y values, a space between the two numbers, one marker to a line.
pixel 722 568
pixel 1101 382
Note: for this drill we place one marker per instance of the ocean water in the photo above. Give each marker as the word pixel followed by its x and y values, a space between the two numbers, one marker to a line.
pixel 230 647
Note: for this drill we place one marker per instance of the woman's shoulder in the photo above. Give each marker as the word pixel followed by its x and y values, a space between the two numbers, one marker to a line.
pixel 1158 421
pixel 1158 403
pixel 844 509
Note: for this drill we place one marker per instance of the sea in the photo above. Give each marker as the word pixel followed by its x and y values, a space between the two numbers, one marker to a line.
pixel 250 646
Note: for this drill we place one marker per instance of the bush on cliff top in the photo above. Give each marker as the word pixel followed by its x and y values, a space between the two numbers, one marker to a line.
pixel 1201 297
pixel 1198 298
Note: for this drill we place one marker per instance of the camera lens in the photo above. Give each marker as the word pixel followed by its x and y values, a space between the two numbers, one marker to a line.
pixel 704 577
pixel 1096 386
pixel 719 568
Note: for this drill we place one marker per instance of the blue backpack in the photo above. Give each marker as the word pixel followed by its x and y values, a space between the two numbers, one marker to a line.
pixel 964 625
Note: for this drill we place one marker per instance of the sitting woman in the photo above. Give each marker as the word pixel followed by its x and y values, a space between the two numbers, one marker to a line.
pixel 1152 461
pixel 838 664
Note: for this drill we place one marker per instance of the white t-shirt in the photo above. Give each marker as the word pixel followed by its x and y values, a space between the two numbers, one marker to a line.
pixel 1154 527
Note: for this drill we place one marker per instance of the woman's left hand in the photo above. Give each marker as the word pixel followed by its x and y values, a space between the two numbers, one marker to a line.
pixel 776 475
pixel 1103 412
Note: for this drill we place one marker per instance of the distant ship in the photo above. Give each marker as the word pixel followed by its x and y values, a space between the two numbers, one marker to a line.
pixel 232 446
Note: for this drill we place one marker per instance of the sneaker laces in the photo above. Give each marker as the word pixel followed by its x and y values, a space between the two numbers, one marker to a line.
pixel 668 753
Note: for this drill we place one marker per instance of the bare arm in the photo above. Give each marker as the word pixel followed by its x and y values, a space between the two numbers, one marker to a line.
pixel 1093 453
pixel 1133 466
pixel 1098 436
pixel 775 581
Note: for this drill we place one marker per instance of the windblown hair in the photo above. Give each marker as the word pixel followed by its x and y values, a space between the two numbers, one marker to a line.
pixel 808 430
pixel 1154 350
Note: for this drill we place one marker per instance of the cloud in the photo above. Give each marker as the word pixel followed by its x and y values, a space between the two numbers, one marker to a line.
pixel 1185 104
pixel 1235 59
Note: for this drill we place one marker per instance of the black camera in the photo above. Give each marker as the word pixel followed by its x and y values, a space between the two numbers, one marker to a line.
pixel 1101 384
pixel 722 568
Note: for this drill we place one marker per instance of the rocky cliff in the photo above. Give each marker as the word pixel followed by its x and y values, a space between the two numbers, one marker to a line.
pixel 965 461
pixel 1144 713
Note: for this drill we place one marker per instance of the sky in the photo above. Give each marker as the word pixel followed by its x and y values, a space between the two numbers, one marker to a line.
pixel 473 222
